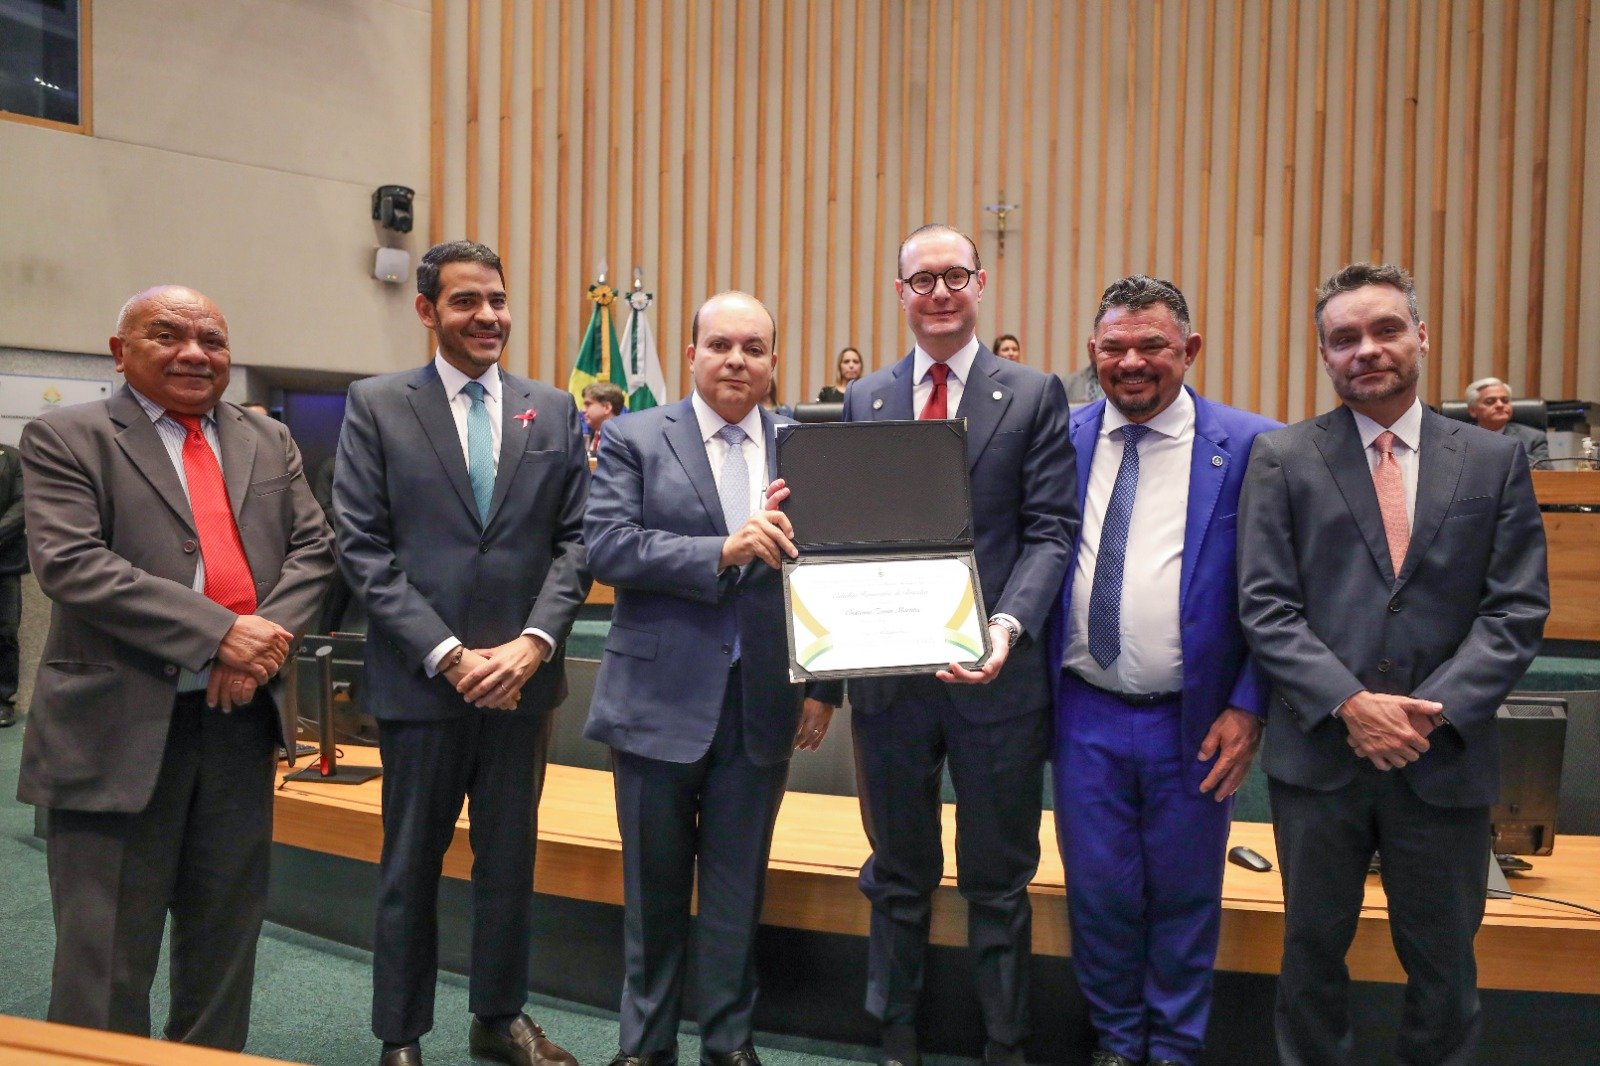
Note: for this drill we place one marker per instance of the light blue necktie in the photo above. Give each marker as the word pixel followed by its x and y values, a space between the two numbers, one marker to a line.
pixel 1105 601
pixel 480 450
pixel 734 487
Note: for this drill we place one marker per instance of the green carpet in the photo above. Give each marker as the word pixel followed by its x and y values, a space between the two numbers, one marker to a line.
pixel 312 996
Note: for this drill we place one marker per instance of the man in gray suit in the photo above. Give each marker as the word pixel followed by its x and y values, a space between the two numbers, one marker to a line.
pixel 181 549
pixel 1392 584
pixel 693 695
pixel 458 496
pixel 1489 405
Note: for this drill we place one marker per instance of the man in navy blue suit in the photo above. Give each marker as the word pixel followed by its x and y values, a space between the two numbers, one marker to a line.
pixel 693 695
pixel 1158 711
pixel 989 726
pixel 458 495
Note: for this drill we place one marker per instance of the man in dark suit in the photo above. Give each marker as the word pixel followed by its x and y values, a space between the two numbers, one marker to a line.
pixel 181 549
pixel 1489 405
pixel 693 695
pixel 13 564
pixel 1158 710
pixel 1392 585
pixel 458 495
pixel 990 726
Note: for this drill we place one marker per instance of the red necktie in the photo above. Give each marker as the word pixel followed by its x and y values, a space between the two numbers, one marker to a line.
pixel 1391 488
pixel 228 578
pixel 936 406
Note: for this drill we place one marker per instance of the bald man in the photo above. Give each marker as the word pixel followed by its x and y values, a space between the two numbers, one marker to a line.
pixel 183 553
pixel 693 695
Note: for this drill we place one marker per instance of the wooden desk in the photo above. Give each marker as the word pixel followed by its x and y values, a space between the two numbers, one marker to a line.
pixel 1574 540
pixel 29 1043
pixel 819 846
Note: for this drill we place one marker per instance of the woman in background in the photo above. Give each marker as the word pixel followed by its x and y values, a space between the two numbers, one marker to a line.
pixel 849 369
pixel 1006 346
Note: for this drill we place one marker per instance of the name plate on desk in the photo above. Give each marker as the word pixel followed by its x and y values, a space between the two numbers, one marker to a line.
pixel 886 582
pixel 858 616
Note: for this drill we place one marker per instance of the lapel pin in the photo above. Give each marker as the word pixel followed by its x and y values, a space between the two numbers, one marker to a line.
pixel 877 405
pixel 997 394
pixel 1216 460
pixel 527 416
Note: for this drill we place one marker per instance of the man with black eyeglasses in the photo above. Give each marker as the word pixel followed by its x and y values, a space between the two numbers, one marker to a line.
pixel 989 726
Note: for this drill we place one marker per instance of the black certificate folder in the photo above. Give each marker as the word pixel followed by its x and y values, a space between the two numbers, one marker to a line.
pixel 886 582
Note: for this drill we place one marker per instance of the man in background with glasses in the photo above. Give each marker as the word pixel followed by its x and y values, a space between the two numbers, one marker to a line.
pixel 991 725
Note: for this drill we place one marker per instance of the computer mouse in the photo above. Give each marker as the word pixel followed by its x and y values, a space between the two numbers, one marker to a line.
pixel 1249 858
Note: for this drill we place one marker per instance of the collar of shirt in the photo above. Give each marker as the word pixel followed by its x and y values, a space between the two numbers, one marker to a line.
pixel 1173 422
pixel 157 412
pixel 1408 427
pixel 960 364
pixel 711 423
pixel 454 380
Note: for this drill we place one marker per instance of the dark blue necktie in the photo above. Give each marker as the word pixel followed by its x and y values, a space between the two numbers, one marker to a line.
pixel 480 450
pixel 1105 601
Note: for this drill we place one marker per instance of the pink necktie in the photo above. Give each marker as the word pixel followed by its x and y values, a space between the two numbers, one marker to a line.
pixel 1391 487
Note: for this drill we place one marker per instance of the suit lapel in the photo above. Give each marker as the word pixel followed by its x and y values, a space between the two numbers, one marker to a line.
pixel 238 454
pixel 514 433
pixel 1208 469
pixel 683 437
pixel 433 411
pixel 769 431
pixel 1340 444
pixel 1439 462
pixel 983 403
pixel 1085 437
pixel 142 445
pixel 892 403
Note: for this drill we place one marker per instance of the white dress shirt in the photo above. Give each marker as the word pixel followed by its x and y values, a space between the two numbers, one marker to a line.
pixel 754 448
pixel 1151 659
pixel 1408 439
pixel 955 385
pixel 455 382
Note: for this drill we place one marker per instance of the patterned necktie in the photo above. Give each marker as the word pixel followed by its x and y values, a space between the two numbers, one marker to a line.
pixel 1391 488
pixel 480 450
pixel 937 405
pixel 735 485
pixel 228 578
pixel 1105 600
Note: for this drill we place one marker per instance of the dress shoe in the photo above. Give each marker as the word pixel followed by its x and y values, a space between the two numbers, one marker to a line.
pixel 1163 1062
pixel 404 1055
pixel 1110 1058
pixel 900 1046
pixel 648 1058
pixel 8 713
pixel 744 1056
pixel 521 1044
pixel 998 1054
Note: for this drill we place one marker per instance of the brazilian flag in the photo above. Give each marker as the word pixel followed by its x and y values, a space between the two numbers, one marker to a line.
pixel 599 359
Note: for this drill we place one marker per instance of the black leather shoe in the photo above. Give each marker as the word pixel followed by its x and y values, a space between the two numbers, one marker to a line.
pixel 745 1056
pixel 998 1054
pixel 648 1058
pixel 1163 1062
pixel 1110 1058
pixel 8 713
pixel 406 1055
pixel 522 1044
pixel 900 1046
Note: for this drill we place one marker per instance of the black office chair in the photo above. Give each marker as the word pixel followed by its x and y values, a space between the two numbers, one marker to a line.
pixel 1531 412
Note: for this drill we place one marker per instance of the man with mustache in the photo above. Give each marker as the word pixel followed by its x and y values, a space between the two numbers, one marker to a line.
pixel 989 726
pixel 1392 585
pixel 693 696
pixel 1158 709
pixel 458 498
pixel 183 554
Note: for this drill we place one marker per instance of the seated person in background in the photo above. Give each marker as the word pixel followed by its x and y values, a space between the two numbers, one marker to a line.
pixel 1489 405
pixel 1006 346
pixel 602 401
pixel 849 369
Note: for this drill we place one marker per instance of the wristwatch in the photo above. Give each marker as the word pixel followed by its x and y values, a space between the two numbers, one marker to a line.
pixel 1009 624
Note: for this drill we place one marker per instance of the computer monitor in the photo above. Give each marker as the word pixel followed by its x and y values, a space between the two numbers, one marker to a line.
pixel 1533 736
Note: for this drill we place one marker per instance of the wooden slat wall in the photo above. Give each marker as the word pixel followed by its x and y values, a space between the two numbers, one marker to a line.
pixel 1238 147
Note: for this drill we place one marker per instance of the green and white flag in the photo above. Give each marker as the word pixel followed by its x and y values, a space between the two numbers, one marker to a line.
pixel 598 358
pixel 647 385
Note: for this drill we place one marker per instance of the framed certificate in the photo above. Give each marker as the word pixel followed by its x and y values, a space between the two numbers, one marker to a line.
pixel 886 582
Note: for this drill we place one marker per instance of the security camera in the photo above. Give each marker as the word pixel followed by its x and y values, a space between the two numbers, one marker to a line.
pixel 391 207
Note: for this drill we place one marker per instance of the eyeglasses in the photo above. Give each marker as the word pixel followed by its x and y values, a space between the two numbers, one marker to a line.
pixel 923 281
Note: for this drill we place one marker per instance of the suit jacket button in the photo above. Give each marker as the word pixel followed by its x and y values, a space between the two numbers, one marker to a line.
pixel 727 649
pixel 1394 606
pixel 189 546
pixel 170 670
pixel 483 548
pixel 1383 666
